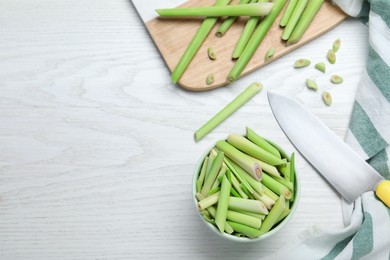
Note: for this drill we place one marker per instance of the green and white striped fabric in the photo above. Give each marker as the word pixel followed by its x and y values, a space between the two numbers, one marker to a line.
pixel 367 223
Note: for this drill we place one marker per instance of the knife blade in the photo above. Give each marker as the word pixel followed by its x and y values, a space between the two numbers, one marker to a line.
pixel 349 174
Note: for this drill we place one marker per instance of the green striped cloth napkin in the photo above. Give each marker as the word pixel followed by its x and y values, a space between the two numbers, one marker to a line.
pixel 367 222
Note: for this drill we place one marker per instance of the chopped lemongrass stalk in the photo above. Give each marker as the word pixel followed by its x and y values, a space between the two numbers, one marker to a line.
pixel 255 41
pixel 255 206
pixel 239 101
pixel 268 192
pixel 228 228
pixel 244 219
pixel 213 190
pixel 238 174
pixel 310 11
pixel 209 201
pixel 273 216
pixel 235 193
pixel 246 146
pixel 256 185
pixel 228 22
pixel 236 186
pixel 247 192
pixel 199 196
pixel 257 9
pixel 261 142
pixel 285 182
pixel 221 172
pixel 321 66
pixel 288 170
pixel 288 12
pixel 278 148
pixel 331 57
pixel 268 202
pixel 298 10
pixel 209 181
pixel 256 215
pixel 248 163
pixel 195 43
pixel 292 174
pixel 202 174
pixel 276 186
pixel 206 215
pixel 247 231
pixel 209 164
pixel 285 212
pixel 223 201
pixel 336 45
pixel 272 170
pixel 245 35
pixel 213 152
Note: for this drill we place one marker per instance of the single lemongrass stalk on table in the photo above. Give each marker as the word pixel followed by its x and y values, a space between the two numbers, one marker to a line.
pixel 276 186
pixel 207 201
pixel 307 17
pixel 228 228
pixel 255 206
pixel 237 187
pixel 228 22
pixel 273 216
pixel 255 41
pixel 247 178
pixel 246 146
pixel 297 13
pixel 200 36
pixel 209 181
pixel 221 172
pixel 287 13
pixel 237 174
pixel 261 142
pixel 244 219
pixel 246 34
pixel 248 163
pixel 268 192
pixel 268 202
pixel 228 110
pixel 200 180
pixel 243 229
pixel 223 201
pixel 257 9
pixel 256 215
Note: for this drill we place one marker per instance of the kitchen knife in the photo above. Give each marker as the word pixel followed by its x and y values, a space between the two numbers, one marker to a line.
pixel 350 175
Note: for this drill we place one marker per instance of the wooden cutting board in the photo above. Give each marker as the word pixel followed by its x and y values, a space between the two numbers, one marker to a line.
pixel 172 37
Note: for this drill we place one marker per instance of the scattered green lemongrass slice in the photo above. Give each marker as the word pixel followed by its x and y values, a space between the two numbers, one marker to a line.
pixel 208 201
pixel 210 79
pixel 336 79
pixel 327 98
pixel 209 181
pixel 256 185
pixel 276 186
pixel 311 10
pixel 261 142
pixel 248 163
pixel 237 187
pixel 235 193
pixel 270 53
pixel 228 228
pixel 255 41
pixel 331 57
pixel 213 191
pixel 195 44
pixel 244 219
pixel 321 66
pixel 223 200
pixel 311 84
pixel 288 12
pixel 200 180
pixel 250 196
pixel 253 150
pixel 221 172
pixel 295 16
pixel 228 22
pixel 273 216
pixel 245 35
pixel 268 192
pixel 239 101
pixel 211 54
pixel 255 206
pixel 243 229
pixel 256 215
pixel 336 45
pixel 257 9
pixel 268 202
pixel 285 182
pixel 301 63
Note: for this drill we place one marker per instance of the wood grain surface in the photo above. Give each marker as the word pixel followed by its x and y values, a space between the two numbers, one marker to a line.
pixel 96 144
pixel 172 37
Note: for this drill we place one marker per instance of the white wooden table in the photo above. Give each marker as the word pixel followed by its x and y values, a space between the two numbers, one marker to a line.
pixel 96 147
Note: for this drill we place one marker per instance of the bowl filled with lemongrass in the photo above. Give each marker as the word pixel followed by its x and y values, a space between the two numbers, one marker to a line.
pixel 246 188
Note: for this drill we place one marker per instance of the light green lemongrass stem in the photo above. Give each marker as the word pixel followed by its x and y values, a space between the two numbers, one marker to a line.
pixel 278 148
pixel 285 182
pixel 272 170
pixel 228 22
pixel 287 13
pixel 273 215
pixel 256 215
pixel 292 174
pixel 268 202
pixel 228 228
pixel 276 186
pixel 200 180
pixel 255 41
pixel 283 170
pixel 298 10
pixel 257 9
pixel 288 171
pixel 311 10
pixel 200 36
pixel 246 146
pixel 254 184
pixel 235 193
pixel 209 181
pixel 244 219
pixel 206 216
pixel 209 164
pixel 247 192
pixel 254 206
pixel 268 192
pixel 209 201
pixel 237 173
pixel 213 191
pixel 261 142
pixel 234 105
pixel 285 212
pixel 237 186
pixel 245 35
pixel 248 163
pixel 221 172
pixel 223 201
pixel 247 231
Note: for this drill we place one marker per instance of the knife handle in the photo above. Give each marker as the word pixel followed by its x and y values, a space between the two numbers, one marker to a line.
pixel 383 192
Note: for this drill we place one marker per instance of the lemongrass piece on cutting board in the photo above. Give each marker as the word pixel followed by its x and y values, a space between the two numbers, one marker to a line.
pixel 298 10
pixel 228 22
